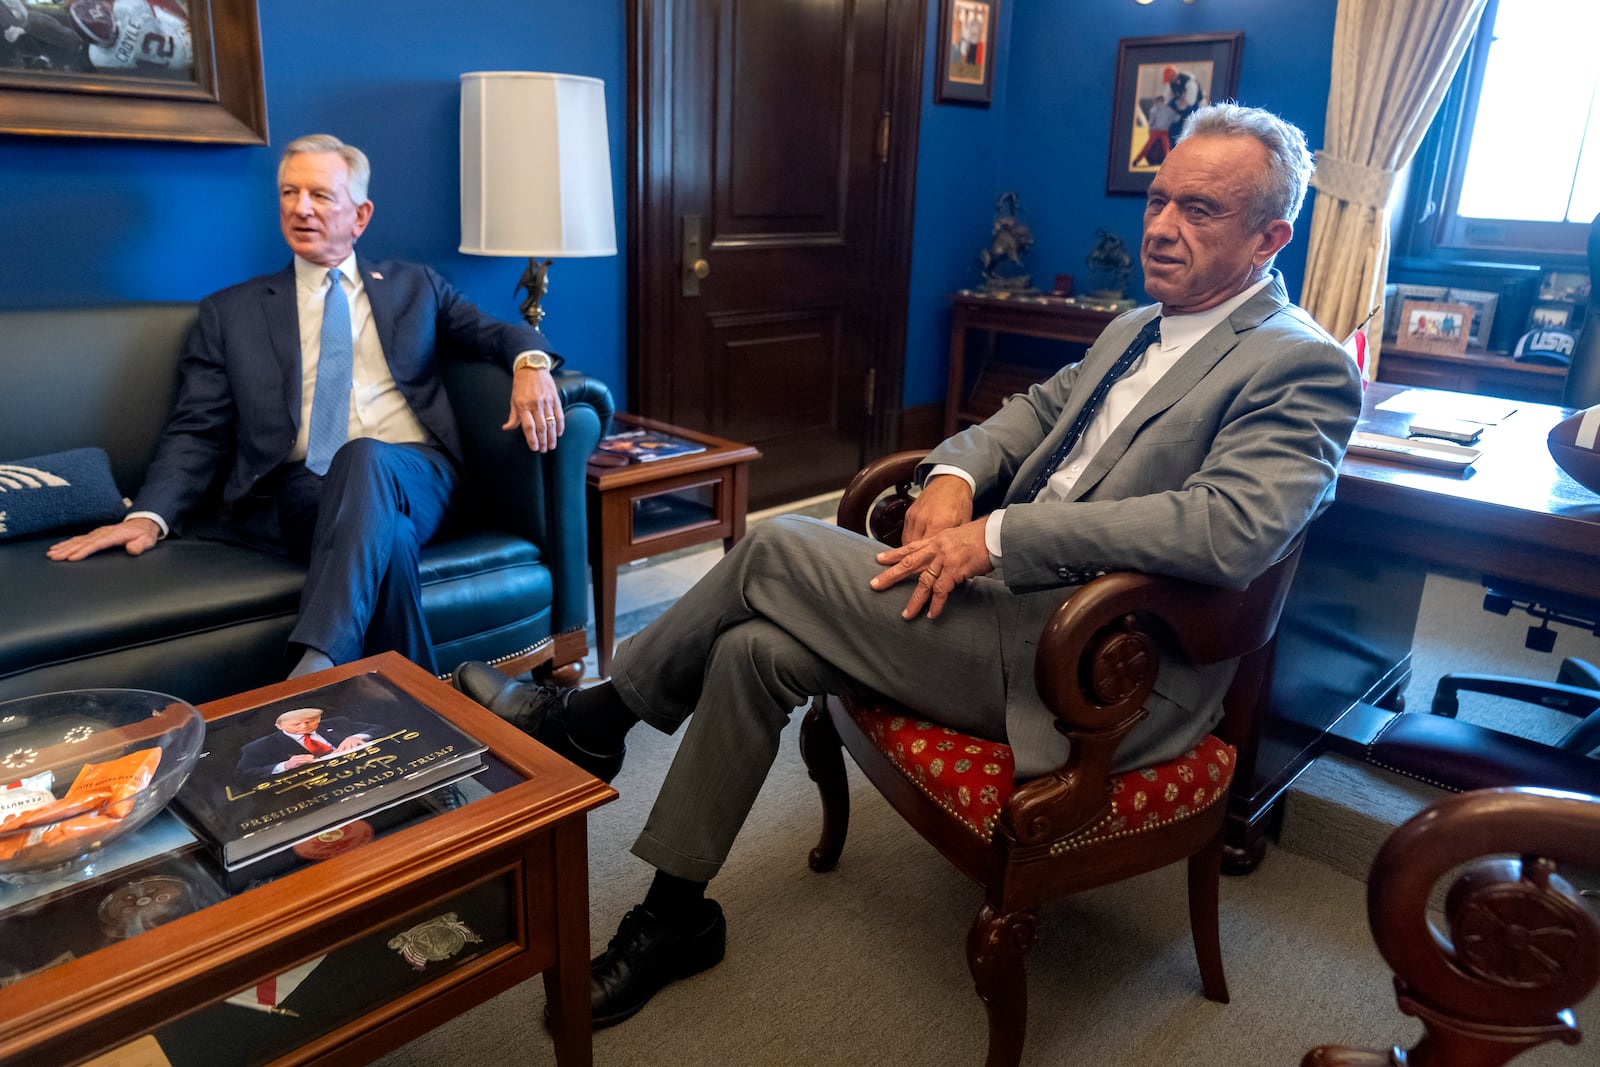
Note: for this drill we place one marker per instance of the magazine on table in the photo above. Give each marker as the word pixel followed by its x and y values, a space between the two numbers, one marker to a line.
pixel 279 774
pixel 644 446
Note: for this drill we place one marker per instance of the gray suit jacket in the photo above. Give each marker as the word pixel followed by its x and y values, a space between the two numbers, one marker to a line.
pixel 1208 478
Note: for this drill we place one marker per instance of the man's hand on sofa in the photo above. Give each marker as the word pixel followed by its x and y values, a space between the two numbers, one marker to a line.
pixel 134 535
pixel 536 409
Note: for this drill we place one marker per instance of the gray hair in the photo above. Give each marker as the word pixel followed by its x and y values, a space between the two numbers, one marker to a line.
pixel 1289 162
pixel 355 160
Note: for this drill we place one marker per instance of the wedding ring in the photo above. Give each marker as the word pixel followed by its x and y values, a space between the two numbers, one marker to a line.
pixel 549 418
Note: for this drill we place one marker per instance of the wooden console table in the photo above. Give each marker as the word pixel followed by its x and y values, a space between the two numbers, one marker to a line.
pixel 967 402
pixel 643 509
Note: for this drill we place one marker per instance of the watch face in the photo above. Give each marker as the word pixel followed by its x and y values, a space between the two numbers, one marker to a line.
pixel 535 360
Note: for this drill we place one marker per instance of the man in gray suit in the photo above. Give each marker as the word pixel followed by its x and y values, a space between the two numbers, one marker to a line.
pixel 1195 439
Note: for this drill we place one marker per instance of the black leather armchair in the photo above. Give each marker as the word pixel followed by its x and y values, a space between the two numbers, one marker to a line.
pixel 506 582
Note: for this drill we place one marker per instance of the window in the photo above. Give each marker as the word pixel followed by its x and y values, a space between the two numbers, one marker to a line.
pixel 1523 171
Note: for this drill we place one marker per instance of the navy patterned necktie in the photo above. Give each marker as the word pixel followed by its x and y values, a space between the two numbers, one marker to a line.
pixel 330 403
pixel 1147 337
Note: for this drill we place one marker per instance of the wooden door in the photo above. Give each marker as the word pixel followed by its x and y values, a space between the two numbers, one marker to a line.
pixel 771 186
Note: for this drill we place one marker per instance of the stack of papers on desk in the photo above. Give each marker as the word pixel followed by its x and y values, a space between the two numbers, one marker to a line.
pixel 1413 451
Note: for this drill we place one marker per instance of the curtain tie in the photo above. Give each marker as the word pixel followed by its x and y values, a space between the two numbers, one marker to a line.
pixel 1354 182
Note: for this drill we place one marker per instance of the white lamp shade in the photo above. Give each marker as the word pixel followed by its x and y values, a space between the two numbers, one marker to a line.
pixel 535 166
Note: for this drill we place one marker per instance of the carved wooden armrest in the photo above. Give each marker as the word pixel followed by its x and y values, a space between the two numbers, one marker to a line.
pixel 1097 663
pixel 866 509
pixel 1520 948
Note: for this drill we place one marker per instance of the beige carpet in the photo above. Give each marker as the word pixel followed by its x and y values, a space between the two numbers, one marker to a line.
pixel 866 965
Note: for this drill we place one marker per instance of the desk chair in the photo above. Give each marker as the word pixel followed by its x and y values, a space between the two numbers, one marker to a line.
pixel 1581 390
pixel 1081 825
pixel 1521 947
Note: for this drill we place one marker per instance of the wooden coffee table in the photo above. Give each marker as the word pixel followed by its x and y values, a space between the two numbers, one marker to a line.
pixel 457 898
pixel 644 509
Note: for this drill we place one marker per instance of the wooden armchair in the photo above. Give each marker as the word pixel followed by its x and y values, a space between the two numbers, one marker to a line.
pixel 1081 825
pixel 1520 948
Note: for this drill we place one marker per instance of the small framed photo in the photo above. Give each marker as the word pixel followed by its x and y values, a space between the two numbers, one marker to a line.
pixel 966 55
pixel 1434 327
pixel 1569 286
pixel 1483 304
pixel 1548 315
pixel 1160 81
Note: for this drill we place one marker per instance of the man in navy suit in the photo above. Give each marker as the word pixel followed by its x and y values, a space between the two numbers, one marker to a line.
pixel 352 479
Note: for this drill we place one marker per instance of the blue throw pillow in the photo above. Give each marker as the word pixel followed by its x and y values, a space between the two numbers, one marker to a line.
pixel 72 488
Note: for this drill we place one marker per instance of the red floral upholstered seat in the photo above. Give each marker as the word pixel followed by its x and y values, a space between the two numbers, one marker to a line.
pixel 971 778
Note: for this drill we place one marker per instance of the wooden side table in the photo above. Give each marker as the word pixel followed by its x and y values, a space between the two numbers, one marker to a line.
pixel 644 509
pixel 968 402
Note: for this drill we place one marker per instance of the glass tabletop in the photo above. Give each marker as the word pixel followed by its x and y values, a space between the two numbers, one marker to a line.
pixel 160 870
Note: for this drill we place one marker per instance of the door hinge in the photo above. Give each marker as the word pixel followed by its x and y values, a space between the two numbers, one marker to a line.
pixel 883 137
pixel 872 392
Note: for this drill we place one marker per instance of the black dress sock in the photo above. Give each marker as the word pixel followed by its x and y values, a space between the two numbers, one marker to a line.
pixel 672 898
pixel 598 720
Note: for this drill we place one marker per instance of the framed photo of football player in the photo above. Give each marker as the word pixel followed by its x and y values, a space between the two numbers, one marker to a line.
pixel 1160 81
pixel 180 70
pixel 966 53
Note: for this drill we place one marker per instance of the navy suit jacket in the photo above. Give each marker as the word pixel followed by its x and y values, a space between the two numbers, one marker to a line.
pixel 237 408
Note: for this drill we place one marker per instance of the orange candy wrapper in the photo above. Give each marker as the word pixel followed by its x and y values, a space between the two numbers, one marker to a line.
pixel 100 797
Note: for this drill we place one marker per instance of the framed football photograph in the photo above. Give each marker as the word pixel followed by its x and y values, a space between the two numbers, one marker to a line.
pixel 169 70
pixel 1160 81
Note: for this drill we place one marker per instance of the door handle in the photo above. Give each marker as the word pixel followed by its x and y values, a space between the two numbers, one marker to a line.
pixel 692 256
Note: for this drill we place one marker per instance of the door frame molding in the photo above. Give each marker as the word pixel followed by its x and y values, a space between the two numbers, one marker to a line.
pixel 652 243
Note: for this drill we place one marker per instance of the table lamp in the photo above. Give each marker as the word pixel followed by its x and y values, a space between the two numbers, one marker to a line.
pixel 535 172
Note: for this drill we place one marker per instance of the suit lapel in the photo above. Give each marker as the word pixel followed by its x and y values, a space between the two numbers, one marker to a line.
pixel 1184 376
pixel 1110 347
pixel 282 309
pixel 380 298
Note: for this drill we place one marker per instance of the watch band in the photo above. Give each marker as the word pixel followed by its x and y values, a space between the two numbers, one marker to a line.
pixel 532 361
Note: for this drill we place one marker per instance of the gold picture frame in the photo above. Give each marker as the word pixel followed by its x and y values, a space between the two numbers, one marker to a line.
pixel 1434 328
pixel 60 77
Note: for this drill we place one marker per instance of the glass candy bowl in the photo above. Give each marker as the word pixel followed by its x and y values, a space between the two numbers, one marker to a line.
pixel 110 760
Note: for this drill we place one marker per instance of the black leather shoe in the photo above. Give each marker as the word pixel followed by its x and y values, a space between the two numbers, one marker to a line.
pixel 522 704
pixel 647 954
pixel 537 710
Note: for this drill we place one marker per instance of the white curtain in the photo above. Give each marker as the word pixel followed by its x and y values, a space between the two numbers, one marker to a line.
pixel 1392 62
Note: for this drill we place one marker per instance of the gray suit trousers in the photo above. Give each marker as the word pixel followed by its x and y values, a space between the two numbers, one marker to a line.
pixel 785 616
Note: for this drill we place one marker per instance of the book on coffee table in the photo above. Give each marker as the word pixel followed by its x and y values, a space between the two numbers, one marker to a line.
pixel 279 774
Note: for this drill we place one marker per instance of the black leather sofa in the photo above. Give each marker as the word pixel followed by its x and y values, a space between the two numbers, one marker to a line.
pixel 200 619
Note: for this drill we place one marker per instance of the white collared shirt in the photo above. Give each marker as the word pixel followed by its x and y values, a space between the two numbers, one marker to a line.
pixel 1179 333
pixel 377 407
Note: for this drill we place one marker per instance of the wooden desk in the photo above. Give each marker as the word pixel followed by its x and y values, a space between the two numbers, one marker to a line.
pixel 1489 374
pixel 644 509
pixel 1347 628
pixel 967 402
pixel 510 864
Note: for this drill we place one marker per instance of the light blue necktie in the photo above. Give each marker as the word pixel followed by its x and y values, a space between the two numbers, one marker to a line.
pixel 330 404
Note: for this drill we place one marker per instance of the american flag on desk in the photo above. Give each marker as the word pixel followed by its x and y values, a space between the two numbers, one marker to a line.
pixel 1356 345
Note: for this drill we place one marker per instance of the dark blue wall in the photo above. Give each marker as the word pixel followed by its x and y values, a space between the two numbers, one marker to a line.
pixel 101 221
pixel 1048 134
pixel 98 221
